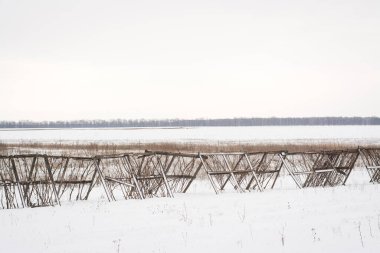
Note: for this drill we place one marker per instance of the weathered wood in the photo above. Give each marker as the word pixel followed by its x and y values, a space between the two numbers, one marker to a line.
pixel 192 177
pixel 254 173
pixel 207 170
pixel 102 180
pixel 290 171
pixel 131 171
pixel 118 181
pixel 17 181
pixel 164 177
pixel 94 179
pixel 155 173
pixel 237 185
pixel 63 174
pixel 52 179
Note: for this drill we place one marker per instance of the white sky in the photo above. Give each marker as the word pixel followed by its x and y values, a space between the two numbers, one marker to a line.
pixel 188 59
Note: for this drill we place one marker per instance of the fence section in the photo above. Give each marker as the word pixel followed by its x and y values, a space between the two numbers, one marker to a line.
pixel 45 180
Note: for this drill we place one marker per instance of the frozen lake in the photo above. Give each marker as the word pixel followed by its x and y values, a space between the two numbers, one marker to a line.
pixel 199 134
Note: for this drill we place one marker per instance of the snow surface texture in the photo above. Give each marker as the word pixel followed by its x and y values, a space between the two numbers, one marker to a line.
pixel 285 219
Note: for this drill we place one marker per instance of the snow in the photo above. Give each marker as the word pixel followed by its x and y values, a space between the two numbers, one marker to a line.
pixel 285 219
pixel 206 134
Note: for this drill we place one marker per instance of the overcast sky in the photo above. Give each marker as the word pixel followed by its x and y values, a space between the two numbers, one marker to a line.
pixel 63 60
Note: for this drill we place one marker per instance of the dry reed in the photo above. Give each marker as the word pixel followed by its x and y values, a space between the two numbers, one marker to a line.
pixel 112 148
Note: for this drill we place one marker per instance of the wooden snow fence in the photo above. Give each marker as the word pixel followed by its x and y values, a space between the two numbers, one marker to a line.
pixel 45 180
pixel 325 168
pixel 244 171
pixel 35 180
pixel 371 160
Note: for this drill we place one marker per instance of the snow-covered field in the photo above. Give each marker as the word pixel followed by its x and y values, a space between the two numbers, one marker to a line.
pixel 285 219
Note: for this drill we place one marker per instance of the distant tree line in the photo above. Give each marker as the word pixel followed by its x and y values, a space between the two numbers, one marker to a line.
pixel 307 121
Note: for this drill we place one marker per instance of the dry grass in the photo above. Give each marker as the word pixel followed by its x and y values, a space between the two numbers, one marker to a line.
pixel 101 148
pixel 3 147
